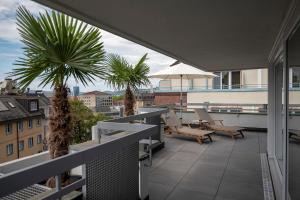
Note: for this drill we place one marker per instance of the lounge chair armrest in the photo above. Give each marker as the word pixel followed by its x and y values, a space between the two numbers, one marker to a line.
pixel 219 120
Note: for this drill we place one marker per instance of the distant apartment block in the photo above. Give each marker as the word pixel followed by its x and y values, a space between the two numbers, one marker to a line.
pixel 230 87
pixel 144 98
pixel 76 91
pixel 21 129
pixel 97 101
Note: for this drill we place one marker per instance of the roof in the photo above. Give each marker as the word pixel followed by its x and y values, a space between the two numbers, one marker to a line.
pixel 43 99
pixel 95 92
pixel 212 35
pixel 12 109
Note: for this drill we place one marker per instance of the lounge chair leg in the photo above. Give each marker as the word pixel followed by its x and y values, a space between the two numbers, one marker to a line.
pixel 199 140
pixel 242 134
pixel 233 136
pixel 209 137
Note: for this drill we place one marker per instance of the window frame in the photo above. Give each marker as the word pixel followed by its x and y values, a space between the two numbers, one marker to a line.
pixel 30 123
pixel 8 149
pixel 23 145
pixel 8 125
pixel 34 107
pixel 38 122
pixel 39 141
pixel 30 139
pixel 20 126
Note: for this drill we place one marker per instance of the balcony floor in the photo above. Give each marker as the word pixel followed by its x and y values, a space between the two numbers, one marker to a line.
pixel 226 169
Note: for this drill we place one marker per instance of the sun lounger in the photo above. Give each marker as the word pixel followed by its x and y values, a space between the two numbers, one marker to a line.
pixel 174 126
pixel 211 124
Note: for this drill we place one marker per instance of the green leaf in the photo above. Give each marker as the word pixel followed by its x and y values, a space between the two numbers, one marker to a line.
pixel 56 48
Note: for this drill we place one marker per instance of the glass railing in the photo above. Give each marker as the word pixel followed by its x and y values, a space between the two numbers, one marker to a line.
pixel 238 87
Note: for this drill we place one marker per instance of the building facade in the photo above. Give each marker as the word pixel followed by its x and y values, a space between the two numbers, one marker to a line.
pixel 21 128
pixel 76 91
pixel 230 87
pixel 97 101
pixel 144 98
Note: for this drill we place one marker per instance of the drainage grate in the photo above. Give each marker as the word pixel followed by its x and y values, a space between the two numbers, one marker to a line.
pixel 266 176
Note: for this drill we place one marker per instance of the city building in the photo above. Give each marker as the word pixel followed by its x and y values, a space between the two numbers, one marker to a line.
pixel 97 101
pixel 169 98
pixel 76 91
pixel 144 98
pixel 8 86
pixel 21 128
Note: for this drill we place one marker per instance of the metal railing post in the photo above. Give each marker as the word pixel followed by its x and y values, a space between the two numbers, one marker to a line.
pixel 58 183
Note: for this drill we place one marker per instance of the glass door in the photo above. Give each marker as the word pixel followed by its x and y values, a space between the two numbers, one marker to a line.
pixel 280 113
pixel 293 118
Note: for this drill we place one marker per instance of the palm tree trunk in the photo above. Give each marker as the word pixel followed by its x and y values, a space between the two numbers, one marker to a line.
pixel 129 101
pixel 60 128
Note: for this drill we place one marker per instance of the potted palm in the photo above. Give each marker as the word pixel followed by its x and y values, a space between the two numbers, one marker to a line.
pixel 57 48
pixel 122 75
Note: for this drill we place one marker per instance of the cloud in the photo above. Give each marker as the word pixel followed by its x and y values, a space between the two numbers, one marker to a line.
pixel 112 43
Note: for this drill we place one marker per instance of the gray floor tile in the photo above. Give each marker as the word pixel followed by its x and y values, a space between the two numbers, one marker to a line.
pixel 240 191
pixel 159 191
pixel 182 193
pixel 226 169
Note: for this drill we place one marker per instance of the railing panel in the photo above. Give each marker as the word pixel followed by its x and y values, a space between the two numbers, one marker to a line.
pixel 23 178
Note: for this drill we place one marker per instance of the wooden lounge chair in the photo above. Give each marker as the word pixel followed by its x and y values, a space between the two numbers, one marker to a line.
pixel 295 134
pixel 211 124
pixel 173 126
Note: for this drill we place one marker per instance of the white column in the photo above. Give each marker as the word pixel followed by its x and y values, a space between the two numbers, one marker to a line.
pixel 229 80
pixel 291 77
pixel 259 78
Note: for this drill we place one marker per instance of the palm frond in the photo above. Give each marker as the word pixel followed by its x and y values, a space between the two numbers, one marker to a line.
pixel 121 74
pixel 57 47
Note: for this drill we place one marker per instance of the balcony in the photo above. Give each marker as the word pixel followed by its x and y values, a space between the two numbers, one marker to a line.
pixel 223 88
pixel 223 169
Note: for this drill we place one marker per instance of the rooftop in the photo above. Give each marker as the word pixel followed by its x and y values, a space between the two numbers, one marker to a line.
pixel 95 92
pixel 12 109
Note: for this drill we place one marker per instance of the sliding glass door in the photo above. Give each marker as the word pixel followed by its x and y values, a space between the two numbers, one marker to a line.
pixel 280 102
pixel 293 119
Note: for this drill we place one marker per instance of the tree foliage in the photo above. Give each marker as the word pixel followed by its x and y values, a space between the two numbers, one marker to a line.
pixel 82 121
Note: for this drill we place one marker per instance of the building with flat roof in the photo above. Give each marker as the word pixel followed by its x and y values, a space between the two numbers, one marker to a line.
pixel 97 101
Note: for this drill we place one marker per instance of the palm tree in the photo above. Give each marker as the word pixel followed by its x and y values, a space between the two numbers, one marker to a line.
pixel 57 48
pixel 122 75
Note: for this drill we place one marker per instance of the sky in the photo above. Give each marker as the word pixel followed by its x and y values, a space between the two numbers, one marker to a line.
pixel 11 47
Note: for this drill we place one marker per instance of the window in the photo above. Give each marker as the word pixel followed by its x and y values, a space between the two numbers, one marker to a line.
pixel 9 149
pixel 30 142
pixel 38 122
pixel 225 80
pixel 20 126
pixel 21 145
pixel 8 128
pixel 235 79
pixel 33 105
pixel 39 139
pixel 296 77
pixel 30 123
pixel 217 81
